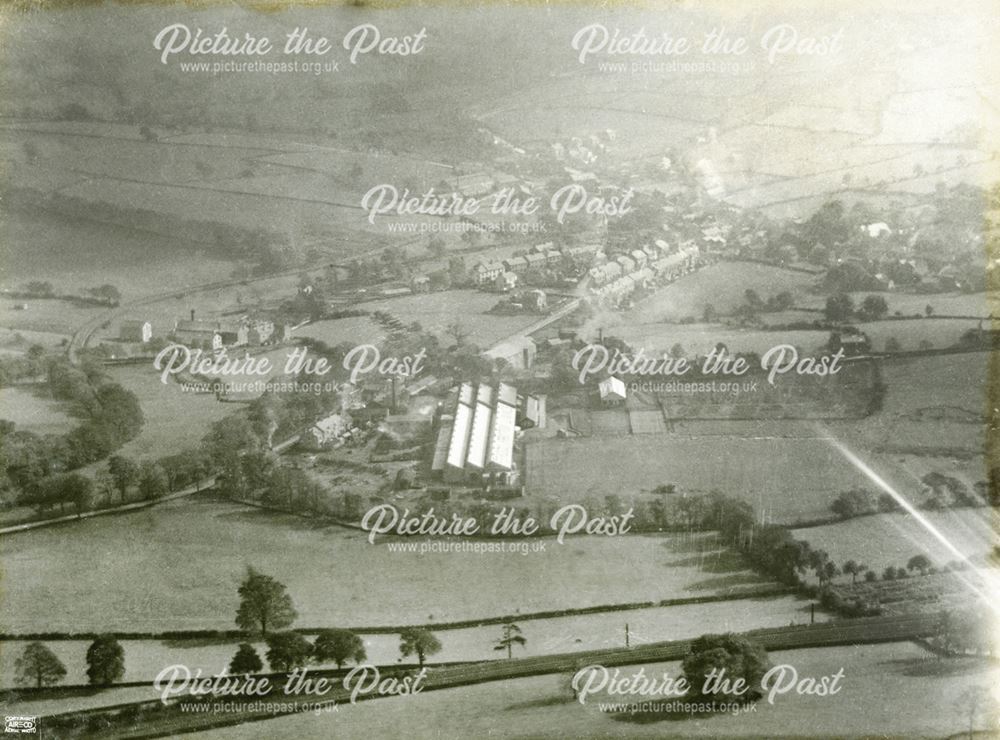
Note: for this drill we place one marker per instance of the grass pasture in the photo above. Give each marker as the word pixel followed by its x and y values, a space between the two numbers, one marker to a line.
pixel 436 311
pixel 698 339
pixel 786 479
pixel 352 329
pixel 721 286
pixel 139 264
pixel 892 539
pixel 33 412
pixel 175 420
pixel 920 689
pixel 127 569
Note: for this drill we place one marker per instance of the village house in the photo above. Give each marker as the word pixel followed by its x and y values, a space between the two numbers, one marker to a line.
pixel 135 330
pixel 505 282
pixel 485 272
pixel 327 432
pixel 518 353
pixel 535 260
pixel 421 283
pixel 612 391
pixel 515 264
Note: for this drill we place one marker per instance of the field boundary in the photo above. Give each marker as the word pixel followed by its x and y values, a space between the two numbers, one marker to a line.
pixel 763 592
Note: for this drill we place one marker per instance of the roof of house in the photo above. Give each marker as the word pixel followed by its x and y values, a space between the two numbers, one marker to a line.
pixel 510 347
pixel 611 388
pixel 197 326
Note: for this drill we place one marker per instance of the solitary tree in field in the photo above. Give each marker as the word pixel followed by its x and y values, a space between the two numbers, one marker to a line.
pixel 39 666
pixel 919 562
pixel 339 646
pixel 105 661
pixel 510 636
pixel 419 642
pixel 738 656
pixel 839 308
pixel 245 661
pixel 873 307
pixel 264 604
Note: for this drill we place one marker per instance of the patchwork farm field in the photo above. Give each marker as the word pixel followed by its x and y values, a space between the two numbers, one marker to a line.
pixel 145 658
pixel 436 311
pixel 915 304
pixel 174 420
pixel 127 571
pixel 109 154
pixel 917 333
pixel 137 263
pixel 786 479
pixel 720 286
pixel 33 412
pixel 957 380
pixel 920 689
pixel 47 316
pixel 702 338
pixel 892 539
pixel 353 329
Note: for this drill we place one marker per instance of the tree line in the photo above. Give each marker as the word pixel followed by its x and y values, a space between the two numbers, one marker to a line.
pixel 36 468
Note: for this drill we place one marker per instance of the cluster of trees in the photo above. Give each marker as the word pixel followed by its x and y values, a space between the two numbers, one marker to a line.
pixel 753 304
pixel 940 492
pixel 110 416
pixel 861 502
pixel 963 631
pixel 772 550
pixel 30 364
pixel 840 308
pixel 105 294
pixel 265 606
pixel 38 666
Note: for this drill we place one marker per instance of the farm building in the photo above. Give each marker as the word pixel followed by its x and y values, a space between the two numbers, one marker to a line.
pixel 531 412
pixel 519 352
pixel 217 334
pixel 612 391
pixel 505 282
pixel 474 185
pixel 135 330
pixel 326 432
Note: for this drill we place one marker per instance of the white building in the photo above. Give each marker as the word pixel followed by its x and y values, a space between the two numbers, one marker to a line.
pixel 612 391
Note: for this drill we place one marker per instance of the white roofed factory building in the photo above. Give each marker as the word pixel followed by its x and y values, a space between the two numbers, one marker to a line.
pixel 478 435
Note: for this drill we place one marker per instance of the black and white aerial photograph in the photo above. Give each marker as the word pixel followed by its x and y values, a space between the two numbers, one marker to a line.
pixel 457 369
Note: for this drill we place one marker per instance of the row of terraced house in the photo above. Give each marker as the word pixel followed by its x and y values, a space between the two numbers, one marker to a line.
pixel 618 278
pixel 539 256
